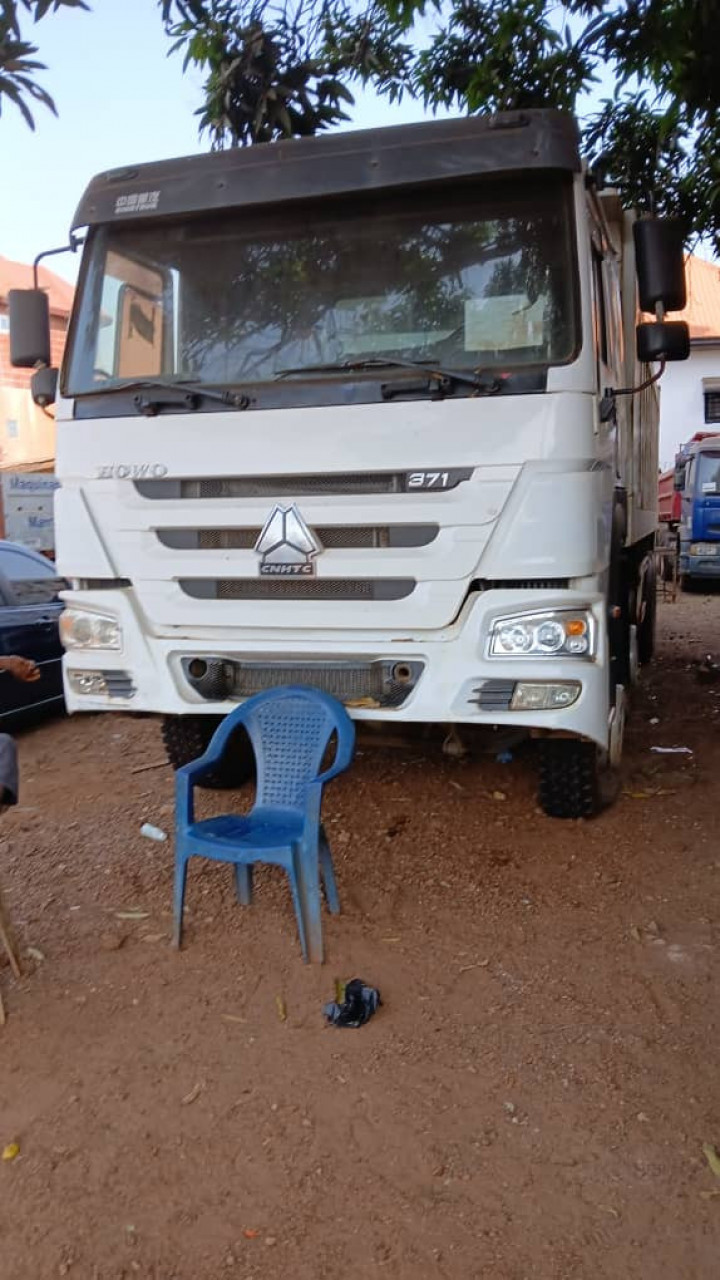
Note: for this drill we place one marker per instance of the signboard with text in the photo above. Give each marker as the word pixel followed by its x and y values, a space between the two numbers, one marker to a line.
pixel 27 509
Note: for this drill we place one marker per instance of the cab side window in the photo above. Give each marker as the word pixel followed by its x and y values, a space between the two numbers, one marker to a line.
pixel 131 335
pixel 601 319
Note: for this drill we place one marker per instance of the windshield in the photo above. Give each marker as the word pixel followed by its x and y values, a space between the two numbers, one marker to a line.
pixel 708 473
pixel 484 279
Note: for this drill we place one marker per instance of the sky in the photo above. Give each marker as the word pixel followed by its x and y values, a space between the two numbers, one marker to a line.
pixel 120 100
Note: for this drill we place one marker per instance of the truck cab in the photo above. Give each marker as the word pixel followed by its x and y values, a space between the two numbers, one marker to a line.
pixel 370 412
pixel 697 478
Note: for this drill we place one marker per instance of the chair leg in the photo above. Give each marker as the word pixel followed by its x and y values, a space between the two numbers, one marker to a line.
pixel 328 876
pixel 308 862
pixel 244 883
pixel 8 939
pixel 179 900
pixel 296 885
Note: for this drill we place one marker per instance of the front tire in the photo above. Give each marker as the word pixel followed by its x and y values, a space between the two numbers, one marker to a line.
pixel 573 778
pixel 186 738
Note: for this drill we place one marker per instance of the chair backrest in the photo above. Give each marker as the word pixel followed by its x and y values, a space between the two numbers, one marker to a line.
pixel 290 729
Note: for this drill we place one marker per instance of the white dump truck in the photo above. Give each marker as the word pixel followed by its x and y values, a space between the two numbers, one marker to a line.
pixel 372 412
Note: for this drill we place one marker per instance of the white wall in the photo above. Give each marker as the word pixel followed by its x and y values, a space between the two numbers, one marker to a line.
pixel 682 406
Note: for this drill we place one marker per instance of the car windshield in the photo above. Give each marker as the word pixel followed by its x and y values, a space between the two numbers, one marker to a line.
pixel 708 474
pixel 482 279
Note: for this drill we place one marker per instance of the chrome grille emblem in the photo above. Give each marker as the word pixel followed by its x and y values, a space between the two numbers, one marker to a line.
pixel 287 546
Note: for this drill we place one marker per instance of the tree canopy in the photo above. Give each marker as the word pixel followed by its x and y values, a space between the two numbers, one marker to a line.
pixel 284 69
pixel 289 68
pixel 18 65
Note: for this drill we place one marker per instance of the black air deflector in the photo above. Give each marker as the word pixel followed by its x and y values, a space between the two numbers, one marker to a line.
pixel 337 164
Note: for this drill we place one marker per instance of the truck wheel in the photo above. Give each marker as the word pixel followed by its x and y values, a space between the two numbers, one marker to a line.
pixel 647 624
pixel 575 780
pixel 187 737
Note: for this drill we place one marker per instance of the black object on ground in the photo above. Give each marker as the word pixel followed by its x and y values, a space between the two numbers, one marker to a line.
pixel 357 1008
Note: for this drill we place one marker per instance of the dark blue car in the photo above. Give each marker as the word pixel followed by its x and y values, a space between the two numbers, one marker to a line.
pixel 30 609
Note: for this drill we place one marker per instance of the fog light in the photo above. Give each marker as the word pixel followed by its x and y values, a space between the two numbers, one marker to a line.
pixel 536 695
pixel 87 682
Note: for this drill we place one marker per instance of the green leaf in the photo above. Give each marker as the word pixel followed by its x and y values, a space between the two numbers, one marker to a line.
pixel 11 91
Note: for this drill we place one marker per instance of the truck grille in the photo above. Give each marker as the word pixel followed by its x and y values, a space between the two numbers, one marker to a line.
pixel 350 482
pixel 332 537
pixel 287 486
pixel 378 683
pixel 298 588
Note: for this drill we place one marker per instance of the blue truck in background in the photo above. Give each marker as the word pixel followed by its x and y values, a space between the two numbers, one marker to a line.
pixel 689 508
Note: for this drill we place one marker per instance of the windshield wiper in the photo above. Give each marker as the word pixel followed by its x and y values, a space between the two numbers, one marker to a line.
pixel 190 394
pixel 440 380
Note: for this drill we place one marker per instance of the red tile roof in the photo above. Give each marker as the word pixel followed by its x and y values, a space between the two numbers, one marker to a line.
pixel 702 312
pixel 18 275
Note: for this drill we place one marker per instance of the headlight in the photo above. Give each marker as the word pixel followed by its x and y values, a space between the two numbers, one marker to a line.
pixel 80 629
pixel 562 633
pixel 704 548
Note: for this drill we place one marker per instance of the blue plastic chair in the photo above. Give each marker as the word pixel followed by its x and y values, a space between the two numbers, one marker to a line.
pixel 290 729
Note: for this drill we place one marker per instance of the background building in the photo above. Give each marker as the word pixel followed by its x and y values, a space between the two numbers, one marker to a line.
pixel 27 435
pixel 690 389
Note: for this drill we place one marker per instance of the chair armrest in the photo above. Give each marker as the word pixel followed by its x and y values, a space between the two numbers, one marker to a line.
pixel 343 756
pixel 186 777
pixel 184 788
pixel 198 768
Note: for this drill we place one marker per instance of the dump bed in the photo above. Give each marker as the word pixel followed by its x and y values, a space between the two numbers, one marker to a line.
pixel 668 498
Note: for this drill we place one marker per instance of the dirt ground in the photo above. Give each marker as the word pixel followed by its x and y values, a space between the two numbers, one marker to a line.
pixel 531 1101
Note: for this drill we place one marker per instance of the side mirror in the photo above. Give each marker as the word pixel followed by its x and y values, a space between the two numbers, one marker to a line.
pixel 43 386
pixel 660 264
pixel 665 340
pixel 29 328
pixel 679 478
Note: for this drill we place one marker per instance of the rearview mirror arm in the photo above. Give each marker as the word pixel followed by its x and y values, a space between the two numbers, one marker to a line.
pixel 72 247
pixel 633 391
pixel 608 401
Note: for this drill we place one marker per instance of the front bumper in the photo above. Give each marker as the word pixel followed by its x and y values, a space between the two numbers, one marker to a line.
pixel 699 566
pixel 150 674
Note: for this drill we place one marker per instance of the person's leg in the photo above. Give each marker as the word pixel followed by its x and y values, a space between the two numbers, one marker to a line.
pixel 8 771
